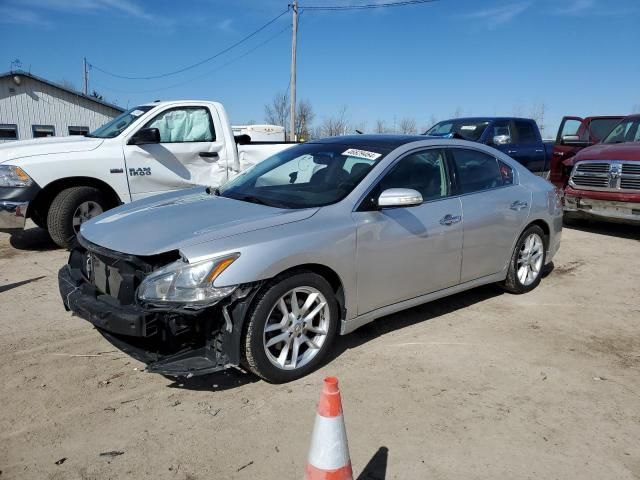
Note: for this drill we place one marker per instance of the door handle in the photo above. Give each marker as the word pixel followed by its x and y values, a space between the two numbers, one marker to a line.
pixel 559 154
pixel 450 219
pixel 209 154
pixel 510 152
pixel 539 151
pixel 518 205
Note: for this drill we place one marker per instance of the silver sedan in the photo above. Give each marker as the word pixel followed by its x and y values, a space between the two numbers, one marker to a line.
pixel 316 241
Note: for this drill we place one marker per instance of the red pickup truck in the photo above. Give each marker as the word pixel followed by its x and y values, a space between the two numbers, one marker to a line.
pixel 574 134
pixel 605 179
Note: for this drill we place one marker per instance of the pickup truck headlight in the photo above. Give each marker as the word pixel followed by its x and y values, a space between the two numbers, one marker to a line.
pixel 11 176
pixel 181 282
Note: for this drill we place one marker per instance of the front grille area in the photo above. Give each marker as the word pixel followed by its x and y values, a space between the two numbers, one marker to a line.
pixel 630 183
pixel 593 167
pixel 631 168
pixel 606 175
pixel 591 181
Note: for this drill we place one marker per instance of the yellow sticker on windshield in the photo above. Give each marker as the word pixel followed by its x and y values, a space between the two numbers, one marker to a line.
pixel 355 152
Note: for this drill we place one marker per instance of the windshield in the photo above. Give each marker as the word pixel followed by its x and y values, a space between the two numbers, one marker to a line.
pixel 305 176
pixel 116 126
pixel 625 131
pixel 470 129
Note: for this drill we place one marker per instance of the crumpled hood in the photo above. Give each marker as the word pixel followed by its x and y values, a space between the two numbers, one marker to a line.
pixel 612 151
pixel 45 146
pixel 180 219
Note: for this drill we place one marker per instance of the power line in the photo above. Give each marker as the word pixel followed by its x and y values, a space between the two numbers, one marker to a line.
pixel 367 6
pixel 194 65
pixel 210 72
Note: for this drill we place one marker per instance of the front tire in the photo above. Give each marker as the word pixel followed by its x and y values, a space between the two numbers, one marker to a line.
pixel 290 327
pixel 70 209
pixel 527 261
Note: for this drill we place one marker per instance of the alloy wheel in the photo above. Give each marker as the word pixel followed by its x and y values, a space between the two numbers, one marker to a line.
pixel 530 259
pixel 296 328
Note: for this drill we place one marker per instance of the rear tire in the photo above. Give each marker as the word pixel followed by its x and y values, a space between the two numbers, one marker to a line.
pixel 69 209
pixel 527 261
pixel 274 324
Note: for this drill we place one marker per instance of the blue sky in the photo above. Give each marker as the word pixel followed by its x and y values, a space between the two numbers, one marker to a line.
pixel 476 57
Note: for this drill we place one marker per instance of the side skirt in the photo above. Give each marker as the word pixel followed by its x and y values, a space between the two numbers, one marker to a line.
pixel 348 326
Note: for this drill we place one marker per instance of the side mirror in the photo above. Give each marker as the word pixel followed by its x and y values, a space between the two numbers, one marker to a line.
pixel 502 139
pixel 145 136
pixel 399 197
pixel 575 141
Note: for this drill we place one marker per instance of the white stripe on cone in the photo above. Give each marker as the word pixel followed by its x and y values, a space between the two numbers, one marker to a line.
pixel 329 449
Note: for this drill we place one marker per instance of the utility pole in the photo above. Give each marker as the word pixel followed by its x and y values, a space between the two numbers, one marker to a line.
pixel 85 71
pixel 294 41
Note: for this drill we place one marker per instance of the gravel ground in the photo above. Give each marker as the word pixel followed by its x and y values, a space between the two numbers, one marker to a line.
pixel 481 385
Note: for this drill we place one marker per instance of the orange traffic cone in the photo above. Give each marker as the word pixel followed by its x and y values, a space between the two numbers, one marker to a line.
pixel 329 452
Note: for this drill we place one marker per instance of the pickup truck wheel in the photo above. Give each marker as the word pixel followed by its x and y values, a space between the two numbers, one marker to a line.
pixel 290 327
pixel 70 209
pixel 527 261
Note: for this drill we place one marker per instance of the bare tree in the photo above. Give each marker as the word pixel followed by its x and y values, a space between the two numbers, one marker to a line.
pixel 335 125
pixel 635 108
pixel 380 127
pixel 457 113
pixel 277 112
pixel 537 113
pixel 408 126
pixel 304 119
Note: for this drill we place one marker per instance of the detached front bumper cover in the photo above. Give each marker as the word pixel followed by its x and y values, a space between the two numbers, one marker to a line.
pixel 142 332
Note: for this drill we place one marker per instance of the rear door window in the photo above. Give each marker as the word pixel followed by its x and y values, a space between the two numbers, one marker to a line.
pixel 526 132
pixel 475 171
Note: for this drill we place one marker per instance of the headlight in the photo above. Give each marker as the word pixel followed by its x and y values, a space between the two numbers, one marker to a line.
pixel 11 176
pixel 181 282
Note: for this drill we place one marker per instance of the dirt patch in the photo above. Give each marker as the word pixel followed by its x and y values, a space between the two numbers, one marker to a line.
pixel 626 349
pixel 480 385
pixel 568 268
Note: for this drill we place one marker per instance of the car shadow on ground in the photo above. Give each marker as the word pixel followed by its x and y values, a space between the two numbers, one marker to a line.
pixel 234 378
pixel 620 230
pixel 407 318
pixel 214 382
pixel 33 239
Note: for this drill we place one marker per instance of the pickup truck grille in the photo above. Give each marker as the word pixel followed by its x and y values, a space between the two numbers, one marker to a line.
pixel 610 175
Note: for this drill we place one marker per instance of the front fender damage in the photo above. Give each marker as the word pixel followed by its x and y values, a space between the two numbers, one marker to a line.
pixel 176 341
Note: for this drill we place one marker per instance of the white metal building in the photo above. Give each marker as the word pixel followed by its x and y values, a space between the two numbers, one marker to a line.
pixel 32 107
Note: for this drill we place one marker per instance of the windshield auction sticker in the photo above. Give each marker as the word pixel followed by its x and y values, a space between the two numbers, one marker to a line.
pixel 137 113
pixel 354 152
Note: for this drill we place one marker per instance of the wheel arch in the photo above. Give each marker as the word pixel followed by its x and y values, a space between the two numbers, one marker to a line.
pixel 41 203
pixel 329 274
pixel 545 228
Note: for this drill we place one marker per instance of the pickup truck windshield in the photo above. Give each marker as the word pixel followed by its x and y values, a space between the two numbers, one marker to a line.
pixel 470 130
pixel 116 126
pixel 305 176
pixel 625 131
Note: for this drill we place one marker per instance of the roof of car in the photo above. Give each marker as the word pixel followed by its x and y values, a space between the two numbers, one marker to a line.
pixel 377 141
pixel 484 119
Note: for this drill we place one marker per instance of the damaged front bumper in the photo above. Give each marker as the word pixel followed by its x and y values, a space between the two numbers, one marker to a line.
pixel 172 341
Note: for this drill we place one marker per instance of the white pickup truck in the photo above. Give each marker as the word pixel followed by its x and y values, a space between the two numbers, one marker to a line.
pixel 60 182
